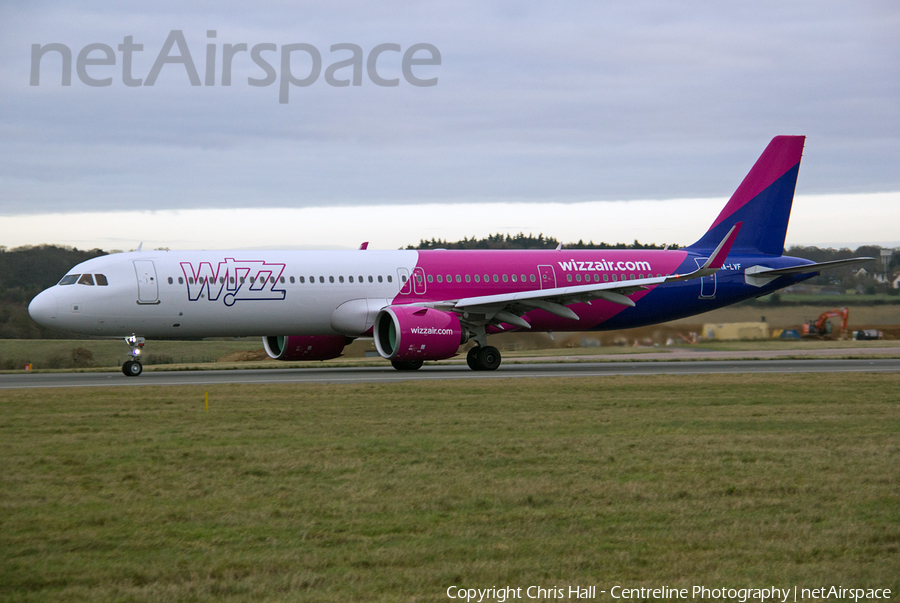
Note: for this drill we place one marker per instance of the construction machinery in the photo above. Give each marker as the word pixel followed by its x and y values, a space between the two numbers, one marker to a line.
pixel 822 327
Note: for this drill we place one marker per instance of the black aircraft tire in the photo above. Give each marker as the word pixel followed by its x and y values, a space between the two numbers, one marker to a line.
pixel 407 365
pixel 132 368
pixel 472 359
pixel 489 358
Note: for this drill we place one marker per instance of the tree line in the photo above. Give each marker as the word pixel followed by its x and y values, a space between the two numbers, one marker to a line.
pixel 25 272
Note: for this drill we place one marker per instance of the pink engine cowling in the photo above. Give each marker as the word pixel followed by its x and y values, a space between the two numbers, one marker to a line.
pixel 407 333
pixel 304 347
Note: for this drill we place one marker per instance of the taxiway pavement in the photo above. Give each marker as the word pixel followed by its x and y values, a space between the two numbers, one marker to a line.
pixel 447 372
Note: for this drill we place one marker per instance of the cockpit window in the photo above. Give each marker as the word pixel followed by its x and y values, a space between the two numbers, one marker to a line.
pixel 69 279
pixel 86 279
pixel 101 280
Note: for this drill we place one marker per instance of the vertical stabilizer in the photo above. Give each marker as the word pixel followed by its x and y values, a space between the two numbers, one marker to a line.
pixel 762 201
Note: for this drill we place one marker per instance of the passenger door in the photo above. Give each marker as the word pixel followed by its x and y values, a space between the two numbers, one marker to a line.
pixel 148 288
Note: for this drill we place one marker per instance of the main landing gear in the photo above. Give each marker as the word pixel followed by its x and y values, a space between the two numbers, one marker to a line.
pixel 483 358
pixel 407 365
pixel 133 367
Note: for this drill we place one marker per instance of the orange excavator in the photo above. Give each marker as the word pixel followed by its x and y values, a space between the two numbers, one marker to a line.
pixel 821 327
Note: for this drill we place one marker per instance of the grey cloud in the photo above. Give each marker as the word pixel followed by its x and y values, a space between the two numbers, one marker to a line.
pixel 537 102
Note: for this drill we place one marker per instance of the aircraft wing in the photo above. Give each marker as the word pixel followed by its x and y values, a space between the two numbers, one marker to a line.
pixel 509 307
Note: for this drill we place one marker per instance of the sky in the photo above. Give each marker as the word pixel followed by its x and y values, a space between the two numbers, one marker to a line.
pixel 609 121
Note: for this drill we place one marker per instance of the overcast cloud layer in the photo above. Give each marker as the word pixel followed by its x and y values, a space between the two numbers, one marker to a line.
pixel 548 102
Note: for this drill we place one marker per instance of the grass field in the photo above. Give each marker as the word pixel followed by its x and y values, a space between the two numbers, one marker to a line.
pixel 64 354
pixel 395 492
pixel 60 353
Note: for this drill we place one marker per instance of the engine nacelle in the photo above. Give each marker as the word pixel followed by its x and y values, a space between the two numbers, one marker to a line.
pixel 305 347
pixel 407 333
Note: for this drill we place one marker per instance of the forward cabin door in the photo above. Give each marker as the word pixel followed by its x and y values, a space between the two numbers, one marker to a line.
pixel 148 288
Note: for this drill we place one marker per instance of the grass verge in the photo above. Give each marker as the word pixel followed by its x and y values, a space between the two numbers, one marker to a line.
pixel 387 492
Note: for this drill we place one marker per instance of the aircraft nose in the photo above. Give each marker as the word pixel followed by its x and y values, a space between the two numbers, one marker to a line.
pixel 43 308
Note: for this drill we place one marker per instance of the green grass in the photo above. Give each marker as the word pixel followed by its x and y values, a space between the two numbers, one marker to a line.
pixel 394 492
pixel 58 353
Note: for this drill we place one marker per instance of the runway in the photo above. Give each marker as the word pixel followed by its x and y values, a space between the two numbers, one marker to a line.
pixel 446 372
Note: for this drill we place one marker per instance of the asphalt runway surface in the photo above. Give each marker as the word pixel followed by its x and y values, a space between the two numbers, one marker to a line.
pixel 387 374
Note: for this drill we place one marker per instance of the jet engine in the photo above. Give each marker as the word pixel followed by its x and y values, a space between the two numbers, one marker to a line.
pixel 414 333
pixel 305 347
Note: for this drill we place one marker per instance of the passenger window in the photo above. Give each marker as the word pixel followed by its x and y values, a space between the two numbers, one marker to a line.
pixel 370 278
pixel 458 278
pixel 351 278
pixel 380 278
pixel 171 282
pixel 402 278
pixel 468 278
pixel 86 279
pixel 569 277
pixel 340 278
pixel 522 278
pixel 477 278
pixel 360 278
pixel 496 278
pixel 180 281
pixel 505 279
pixel 487 278
pixel 330 279
pixel 605 278
pixel 282 280
pixel 321 279
pixel 101 280
pixel 514 278
pixel 230 279
pixel 69 279
pixel 578 277
pixel 222 280
pixel 430 279
pixel 440 278
pixel 390 280
pixel 531 278
pixel 292 280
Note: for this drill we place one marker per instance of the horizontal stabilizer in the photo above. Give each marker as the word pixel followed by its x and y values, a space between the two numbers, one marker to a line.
pixel 759 276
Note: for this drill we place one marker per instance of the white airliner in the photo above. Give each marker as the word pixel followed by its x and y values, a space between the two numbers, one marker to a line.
pixel 423 305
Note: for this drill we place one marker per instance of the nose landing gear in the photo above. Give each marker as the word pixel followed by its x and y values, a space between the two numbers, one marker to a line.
pixel 133 367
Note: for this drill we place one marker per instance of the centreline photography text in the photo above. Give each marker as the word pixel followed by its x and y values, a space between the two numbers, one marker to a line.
pixel 501 594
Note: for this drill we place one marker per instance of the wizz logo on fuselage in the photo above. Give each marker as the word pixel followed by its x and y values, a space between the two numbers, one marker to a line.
pixel 240 280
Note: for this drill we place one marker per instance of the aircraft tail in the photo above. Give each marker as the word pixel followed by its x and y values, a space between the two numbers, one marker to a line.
pixel 762 202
